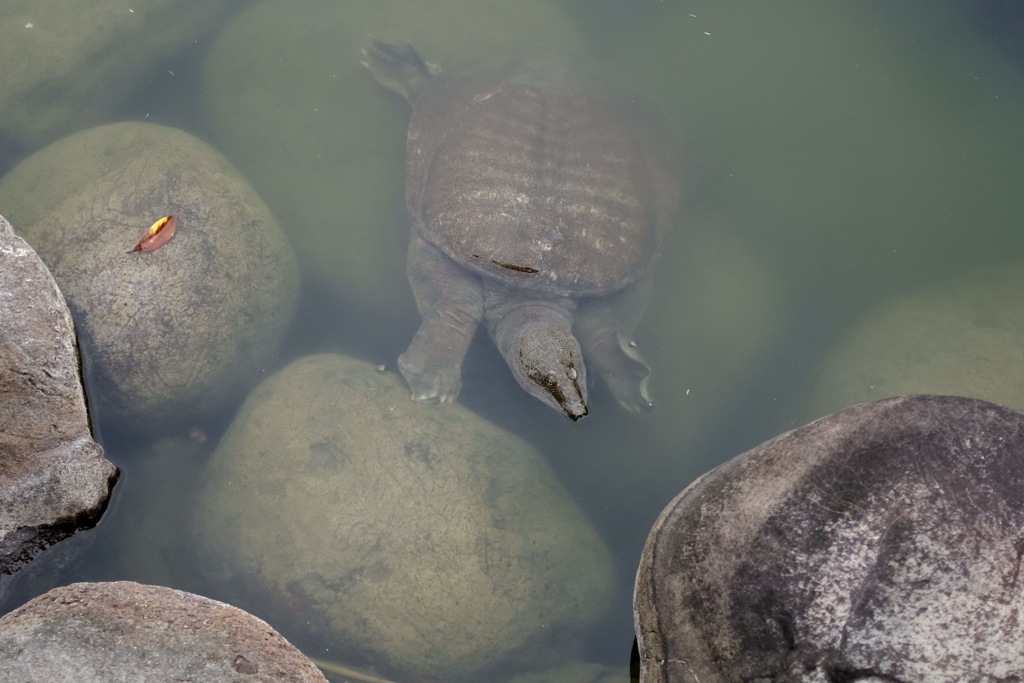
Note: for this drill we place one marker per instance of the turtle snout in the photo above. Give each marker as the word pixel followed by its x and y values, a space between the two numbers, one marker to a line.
pixel 575 413
pixel 562 389
pixel 574 401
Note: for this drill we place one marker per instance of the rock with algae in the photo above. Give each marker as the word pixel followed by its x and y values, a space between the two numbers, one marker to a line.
pixel 174 332
pixel 415 533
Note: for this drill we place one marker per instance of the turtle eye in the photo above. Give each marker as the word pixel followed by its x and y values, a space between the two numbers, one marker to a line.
pixel 548 382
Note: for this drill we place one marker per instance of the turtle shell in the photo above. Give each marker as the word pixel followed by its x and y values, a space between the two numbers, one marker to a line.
pixel 523 175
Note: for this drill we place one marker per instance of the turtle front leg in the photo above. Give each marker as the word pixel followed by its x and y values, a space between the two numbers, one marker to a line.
pixel 604 327
pixel 450 300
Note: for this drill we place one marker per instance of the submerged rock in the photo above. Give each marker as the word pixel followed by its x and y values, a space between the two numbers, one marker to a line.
pixel 125 631
pixel 574 672
pixel 169 333
pixel 416 534
pixel 961 338
pixel 53 476
pixel 880 543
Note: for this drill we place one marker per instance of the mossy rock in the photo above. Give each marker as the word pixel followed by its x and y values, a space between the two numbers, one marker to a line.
pixel 174 332
pixel 417 534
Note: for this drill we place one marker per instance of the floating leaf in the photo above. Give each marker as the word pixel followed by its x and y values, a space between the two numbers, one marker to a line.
pixel 158 234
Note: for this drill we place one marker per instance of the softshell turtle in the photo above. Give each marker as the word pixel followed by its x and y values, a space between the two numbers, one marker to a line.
pixel 538 202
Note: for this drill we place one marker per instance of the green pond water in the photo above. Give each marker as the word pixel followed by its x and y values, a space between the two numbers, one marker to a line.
pixel 850 166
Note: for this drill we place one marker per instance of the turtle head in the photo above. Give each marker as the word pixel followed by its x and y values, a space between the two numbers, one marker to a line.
pixel 547 362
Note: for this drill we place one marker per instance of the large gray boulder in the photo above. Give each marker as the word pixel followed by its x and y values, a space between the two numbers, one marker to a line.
pixel 126 632
pixel 880 543
pixel 53 476
pixel 67 63
pixel 171 333
pixel 418 535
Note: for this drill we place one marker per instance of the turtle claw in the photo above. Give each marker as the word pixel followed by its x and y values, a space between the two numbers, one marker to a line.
pixel 428 385
pixel 424 392
pixel 425 396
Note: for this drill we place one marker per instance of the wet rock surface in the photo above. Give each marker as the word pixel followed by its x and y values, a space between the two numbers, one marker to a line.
pixel 880 543
pixel 125 631
pixel 53 476
pixel 417 535
pixel 177 331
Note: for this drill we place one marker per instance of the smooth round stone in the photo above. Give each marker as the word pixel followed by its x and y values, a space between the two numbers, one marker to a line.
pixel 419 535
pixel 880 543
pixel 126 631
pixel 174 332
pixel 291 104
pixel 963 338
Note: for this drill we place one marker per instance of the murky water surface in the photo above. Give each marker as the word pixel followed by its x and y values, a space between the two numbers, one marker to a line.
pixel 841 157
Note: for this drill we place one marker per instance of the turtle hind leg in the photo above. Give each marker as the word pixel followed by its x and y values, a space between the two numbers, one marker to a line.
pixel 604 326
pixel 450 301
pixel 398 67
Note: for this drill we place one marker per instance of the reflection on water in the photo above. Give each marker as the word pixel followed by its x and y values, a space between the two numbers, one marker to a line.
pixel 841 155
